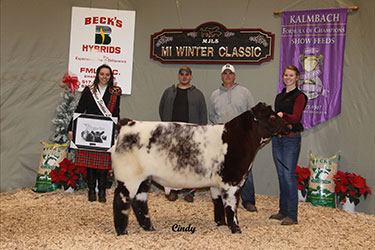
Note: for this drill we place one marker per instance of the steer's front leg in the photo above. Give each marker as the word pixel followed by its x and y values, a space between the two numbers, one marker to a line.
pixel 121 208
pixel 230 199
pixel 139 204
pixel 219 213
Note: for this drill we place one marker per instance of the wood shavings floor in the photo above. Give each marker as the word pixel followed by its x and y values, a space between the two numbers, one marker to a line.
pixel 59 220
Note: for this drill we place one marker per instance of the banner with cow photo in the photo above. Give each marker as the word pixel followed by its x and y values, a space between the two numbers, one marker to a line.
pixel 314 41
pixel 102 36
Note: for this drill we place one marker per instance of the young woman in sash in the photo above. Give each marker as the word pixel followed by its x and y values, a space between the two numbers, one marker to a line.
pixel 101 98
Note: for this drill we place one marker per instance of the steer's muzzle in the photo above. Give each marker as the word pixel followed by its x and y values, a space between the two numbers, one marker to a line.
pixel 282 127
pixel 286 128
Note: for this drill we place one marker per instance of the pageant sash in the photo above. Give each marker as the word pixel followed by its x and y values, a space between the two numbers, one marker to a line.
pixel 115 92
pixel 99 101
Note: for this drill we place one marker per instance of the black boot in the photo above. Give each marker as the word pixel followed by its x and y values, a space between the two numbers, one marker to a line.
pixel 91 183
pixel 102 184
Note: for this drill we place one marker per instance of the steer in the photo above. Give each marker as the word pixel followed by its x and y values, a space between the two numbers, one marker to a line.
pixel 181 155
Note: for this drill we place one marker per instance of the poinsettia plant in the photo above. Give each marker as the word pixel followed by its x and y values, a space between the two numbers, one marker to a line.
pixel 303 177
pixel 352 186
pixel 67 174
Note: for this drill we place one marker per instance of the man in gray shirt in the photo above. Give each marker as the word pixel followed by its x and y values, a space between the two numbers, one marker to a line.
pixel 183 102
pixel 227 102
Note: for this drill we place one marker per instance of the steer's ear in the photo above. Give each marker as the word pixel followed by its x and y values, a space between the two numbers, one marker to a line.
pixel 117 129
pixel 122 122
pixel 261 111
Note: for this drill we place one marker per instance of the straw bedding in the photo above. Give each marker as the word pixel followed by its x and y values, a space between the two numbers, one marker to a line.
pixel 59 220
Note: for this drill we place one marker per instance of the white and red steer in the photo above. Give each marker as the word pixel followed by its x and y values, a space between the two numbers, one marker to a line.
pixel 181 155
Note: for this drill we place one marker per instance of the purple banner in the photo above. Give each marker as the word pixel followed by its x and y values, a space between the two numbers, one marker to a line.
pixel 314 41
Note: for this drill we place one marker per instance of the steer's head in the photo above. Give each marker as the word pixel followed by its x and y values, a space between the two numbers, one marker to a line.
pixel 268 119
pixel 123 122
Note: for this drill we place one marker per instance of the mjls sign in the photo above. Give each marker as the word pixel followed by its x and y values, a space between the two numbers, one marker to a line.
pixel 212 43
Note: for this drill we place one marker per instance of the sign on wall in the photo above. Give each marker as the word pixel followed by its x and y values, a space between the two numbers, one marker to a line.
pixel 212 43
pixel 314 41
pixel 102 36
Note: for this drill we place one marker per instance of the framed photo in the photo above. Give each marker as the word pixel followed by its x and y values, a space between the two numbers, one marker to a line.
pixel 93 132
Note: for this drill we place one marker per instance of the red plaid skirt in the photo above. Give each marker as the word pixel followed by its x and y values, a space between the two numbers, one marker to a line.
pixel 93 159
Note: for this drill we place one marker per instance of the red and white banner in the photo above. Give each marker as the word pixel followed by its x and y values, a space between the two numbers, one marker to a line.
pixel 102 36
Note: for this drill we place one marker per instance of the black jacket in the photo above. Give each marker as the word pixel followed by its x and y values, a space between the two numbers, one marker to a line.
pixel 285 103
pixel 87 104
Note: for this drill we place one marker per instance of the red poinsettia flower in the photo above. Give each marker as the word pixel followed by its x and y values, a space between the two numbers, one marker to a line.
pixel 72 180
pixel 364 190
pixel 71 174
pixel 345 180
pixel 54 175
pixel 305 173
pixel 63 178
pixel 340 188
pixel 358 182
pixel 67 174
pixel 343 188
pixel 303 176
pixel 63 170
pixel 352 186
pixel 352 192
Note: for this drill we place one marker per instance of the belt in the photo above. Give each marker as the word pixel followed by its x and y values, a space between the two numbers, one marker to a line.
pixel 290 135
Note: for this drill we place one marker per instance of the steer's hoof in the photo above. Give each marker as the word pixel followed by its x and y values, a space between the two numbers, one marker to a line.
pixel 122 232
pixel 151 228
pixel 236 230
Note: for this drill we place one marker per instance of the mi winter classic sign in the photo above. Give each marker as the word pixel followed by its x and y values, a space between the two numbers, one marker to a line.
pixel 212 43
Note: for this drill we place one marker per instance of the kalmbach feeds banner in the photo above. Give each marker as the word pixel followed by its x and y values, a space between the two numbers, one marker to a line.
pixel 314 41
pixel 102 36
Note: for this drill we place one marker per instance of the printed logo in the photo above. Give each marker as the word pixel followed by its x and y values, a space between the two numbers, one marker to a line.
pixel 320 175
pixel 102 34
pixel 49 161
pixel 311 83
pixel 320 192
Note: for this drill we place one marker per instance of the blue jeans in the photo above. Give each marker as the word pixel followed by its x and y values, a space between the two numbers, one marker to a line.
pixel 286 150
pixel 248 191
